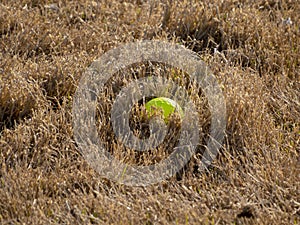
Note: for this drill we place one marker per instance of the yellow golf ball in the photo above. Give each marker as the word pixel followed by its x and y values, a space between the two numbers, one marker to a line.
pixel 166 105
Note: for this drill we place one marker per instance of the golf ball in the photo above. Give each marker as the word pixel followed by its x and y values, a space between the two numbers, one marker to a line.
pixel 166 105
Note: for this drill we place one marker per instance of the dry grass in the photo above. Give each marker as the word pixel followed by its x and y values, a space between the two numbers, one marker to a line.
pixel 45 46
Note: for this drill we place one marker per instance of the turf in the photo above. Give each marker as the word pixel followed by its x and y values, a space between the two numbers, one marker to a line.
pixel 253 50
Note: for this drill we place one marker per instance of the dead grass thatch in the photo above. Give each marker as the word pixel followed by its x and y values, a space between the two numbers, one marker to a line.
pixel 253 49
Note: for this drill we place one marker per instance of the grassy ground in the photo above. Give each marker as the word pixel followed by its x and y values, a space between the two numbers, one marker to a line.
pixel 45 46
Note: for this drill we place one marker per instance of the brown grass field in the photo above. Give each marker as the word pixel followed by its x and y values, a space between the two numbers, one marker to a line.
pixel 252 49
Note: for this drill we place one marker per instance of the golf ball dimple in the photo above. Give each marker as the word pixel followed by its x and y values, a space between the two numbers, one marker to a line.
pixel 166 105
